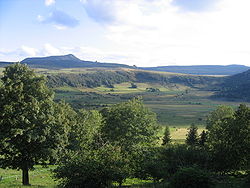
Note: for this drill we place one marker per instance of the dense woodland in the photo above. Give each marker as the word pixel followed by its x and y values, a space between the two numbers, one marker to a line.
pixel 104 148
pixel 99 78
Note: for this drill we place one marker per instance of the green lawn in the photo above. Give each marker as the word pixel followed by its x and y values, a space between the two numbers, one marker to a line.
pixel 39 177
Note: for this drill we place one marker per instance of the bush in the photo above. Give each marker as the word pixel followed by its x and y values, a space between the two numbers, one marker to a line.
pixel 247 178
pixel 163 162
pixel 92 168
pixel 191 177
pixel 148 165
pixel 174 157
pixel 133 85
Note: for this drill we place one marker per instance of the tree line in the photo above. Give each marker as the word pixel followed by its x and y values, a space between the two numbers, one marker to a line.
pixel 99 148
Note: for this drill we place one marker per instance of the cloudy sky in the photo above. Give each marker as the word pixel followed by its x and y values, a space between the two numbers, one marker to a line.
pixel 134 32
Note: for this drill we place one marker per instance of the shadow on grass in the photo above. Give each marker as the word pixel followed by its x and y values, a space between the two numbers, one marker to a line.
pixel 148 185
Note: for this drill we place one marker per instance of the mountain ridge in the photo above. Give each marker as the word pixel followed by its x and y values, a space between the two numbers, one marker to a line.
pixel 201 69
pixel 71 61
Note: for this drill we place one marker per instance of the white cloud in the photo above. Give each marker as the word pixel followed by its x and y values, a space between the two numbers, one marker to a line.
pixel 49 2
pixel 18 54
pixel 83 52
pixel 60 27
pixel 40 18
pixel 25 50
pixel 155 32
pixel 59 19
pixel 50 50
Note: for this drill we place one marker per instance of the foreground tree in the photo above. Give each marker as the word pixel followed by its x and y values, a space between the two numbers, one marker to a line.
pixel 192 136
pixel 29 132
pixel 130 124
pixel 166 138
pixel 132 127
pixel 85 131
pixel 229 141
pixel 97 167
pixel 203 138
pixel 90 161
pixel 218 115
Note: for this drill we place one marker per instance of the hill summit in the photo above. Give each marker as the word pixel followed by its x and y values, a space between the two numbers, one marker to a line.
pixel 67 61
pixel 69 57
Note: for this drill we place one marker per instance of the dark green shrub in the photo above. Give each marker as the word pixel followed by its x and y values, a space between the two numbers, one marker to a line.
pixel 148 165
pixel 247 178
pixel 133 85
pixel 174 157
pixel 161 163
pixel 92 168
pixel 191 177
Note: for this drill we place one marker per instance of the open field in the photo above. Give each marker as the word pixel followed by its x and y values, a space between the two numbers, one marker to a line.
pixel 178 134
pixel 174 107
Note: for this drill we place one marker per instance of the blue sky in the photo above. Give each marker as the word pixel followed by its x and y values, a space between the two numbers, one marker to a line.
pixel 135 32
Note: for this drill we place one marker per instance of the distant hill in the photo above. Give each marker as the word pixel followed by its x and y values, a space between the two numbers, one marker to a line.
pixel 236 87
pixel 4 64
pixel 70 61
pixel 66 61
pixel 201 69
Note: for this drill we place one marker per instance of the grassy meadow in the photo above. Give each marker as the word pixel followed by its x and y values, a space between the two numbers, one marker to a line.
pixel 174 107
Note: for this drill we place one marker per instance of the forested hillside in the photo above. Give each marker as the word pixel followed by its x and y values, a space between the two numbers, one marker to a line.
pixel 108 78
pixel 236 87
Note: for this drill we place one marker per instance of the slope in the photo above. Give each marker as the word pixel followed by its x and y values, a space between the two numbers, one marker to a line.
pixel 236 87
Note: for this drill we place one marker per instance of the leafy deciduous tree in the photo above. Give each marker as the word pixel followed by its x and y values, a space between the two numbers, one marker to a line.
pixel 219 114
pixel 130 124
pixel 29 132
pixel 229 141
